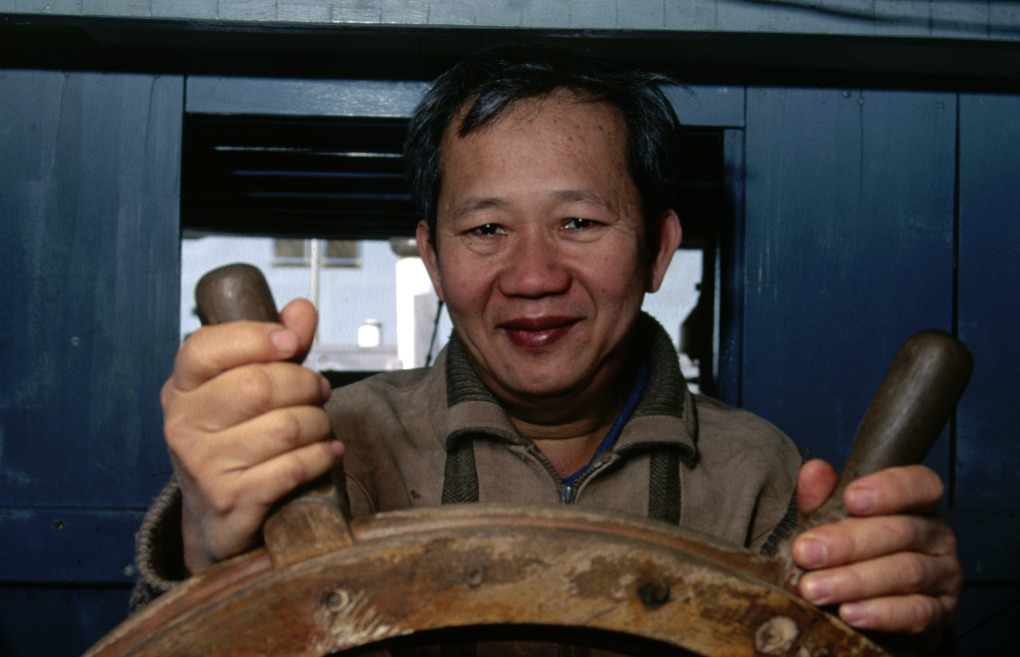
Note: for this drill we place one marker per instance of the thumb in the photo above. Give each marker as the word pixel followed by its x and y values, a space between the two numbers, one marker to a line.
pixel 301 317
pixel 815 484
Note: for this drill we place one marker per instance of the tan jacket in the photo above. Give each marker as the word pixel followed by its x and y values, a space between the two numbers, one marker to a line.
pixel 736 471
pixel 728 473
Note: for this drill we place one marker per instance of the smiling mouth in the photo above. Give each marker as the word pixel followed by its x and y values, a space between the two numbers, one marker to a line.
pixel 538 332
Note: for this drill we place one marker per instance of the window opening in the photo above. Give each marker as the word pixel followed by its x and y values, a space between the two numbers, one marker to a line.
pixel 292 252
pixel 266 190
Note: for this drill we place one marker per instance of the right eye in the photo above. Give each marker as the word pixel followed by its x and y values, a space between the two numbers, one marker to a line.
pixel 486 230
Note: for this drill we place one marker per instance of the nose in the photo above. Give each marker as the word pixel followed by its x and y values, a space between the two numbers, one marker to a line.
pixel 534 266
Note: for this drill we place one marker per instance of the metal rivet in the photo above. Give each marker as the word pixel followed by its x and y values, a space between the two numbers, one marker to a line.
pixel 337 600
pixel 776 635
pixel 654 594
pixel 475 576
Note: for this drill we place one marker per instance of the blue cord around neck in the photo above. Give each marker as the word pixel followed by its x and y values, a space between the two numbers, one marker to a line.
pixel 621 420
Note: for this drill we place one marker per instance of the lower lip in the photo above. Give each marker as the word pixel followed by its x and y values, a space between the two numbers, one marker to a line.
pixel 536 339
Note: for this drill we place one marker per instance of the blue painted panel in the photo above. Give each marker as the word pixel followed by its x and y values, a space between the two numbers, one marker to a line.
pixel 988 446
pixel 58 621
pixel 89 267
pixel 849 250
pixel 66 545
pixel 708 105
pixel 988 621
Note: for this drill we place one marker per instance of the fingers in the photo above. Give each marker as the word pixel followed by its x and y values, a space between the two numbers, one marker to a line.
pixel 242 393
pixel 890 573
pixel 244 426
pixel 247 444
pixel 858 539
pixel 244 495
pixel 897 571
pixel 222 516
pixel 910 614
pixel 212 350
pixel 290 470
pixel 913 488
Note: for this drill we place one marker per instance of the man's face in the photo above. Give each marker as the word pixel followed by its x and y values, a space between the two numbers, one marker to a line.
pixel 542 257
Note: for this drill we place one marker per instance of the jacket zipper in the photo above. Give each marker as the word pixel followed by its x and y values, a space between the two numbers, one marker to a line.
pixel 567 494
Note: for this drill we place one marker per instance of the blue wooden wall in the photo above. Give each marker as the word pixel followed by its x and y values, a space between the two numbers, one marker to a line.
pixel 871 214
pixel 861 213
pixel 89 268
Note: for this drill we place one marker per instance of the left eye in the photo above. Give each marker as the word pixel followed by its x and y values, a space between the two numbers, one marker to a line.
pixel 577 223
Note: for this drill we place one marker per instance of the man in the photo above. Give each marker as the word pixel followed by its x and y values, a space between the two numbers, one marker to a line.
pixel 546 183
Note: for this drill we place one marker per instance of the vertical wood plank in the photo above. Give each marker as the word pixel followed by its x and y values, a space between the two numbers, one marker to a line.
pixel 988 451
pixel 90 267
pixel 849 250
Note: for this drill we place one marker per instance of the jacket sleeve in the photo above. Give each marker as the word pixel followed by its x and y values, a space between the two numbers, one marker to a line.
pixel 159 549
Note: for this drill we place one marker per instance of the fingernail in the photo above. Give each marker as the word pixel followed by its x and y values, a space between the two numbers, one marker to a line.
pixel 811 553
pixel 338 450
pixel 860 500
pixel 284 340
pixel 326 389
pixel 853 613
pixel 817 589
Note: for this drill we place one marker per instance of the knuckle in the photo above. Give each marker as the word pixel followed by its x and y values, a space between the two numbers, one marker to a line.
pixel 949 604
pixel 221 502
pixel 924 480
pixel 904 531
pixel 179 435
pixel 913 574
pixel 256 388
pixel 323 427
pixel 294 473
pixel 194 350
pixel 166 394
pixel 947 540
pixel 926 614
pixel 285 429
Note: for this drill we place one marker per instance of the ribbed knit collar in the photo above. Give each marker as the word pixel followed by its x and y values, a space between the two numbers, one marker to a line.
pixel 665 413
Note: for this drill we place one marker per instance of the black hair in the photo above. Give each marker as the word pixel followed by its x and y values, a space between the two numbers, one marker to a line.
pixel 494 80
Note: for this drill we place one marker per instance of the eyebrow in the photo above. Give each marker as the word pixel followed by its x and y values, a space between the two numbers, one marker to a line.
pixel 474 204
pixel 580 196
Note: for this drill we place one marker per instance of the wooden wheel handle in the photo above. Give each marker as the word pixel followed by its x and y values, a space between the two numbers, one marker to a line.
pixel 495 569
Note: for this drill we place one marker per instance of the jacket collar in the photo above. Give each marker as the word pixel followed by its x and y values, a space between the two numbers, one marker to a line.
pixel 664 416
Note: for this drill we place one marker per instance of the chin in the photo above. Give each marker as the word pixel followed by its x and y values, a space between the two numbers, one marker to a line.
pixel 549 387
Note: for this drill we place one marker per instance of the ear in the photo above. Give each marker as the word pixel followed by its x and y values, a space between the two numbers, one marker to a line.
pixel 427 251
pixel 670 236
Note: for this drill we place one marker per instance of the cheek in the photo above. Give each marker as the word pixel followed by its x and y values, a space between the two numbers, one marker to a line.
pixel 619 278
pixel 463 288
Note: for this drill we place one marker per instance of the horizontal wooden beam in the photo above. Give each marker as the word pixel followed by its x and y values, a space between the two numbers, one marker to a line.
pixel 420 51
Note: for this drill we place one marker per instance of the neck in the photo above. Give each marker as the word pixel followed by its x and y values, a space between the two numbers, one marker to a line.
pixel 569 431
pixel 567 447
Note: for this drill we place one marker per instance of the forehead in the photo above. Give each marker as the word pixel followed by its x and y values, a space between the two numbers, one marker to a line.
pixel 543 145
pixel 559 114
